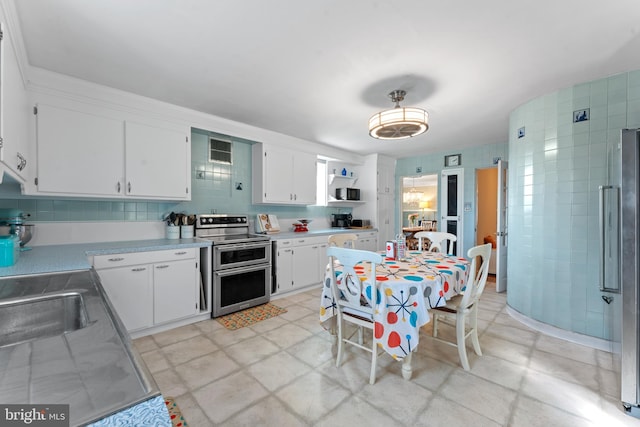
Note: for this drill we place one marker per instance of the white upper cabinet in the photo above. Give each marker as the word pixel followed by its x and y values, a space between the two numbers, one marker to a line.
pixel 14 109
pixel 156 162
pixel 79 153
pixel 88 151
pixel 282 176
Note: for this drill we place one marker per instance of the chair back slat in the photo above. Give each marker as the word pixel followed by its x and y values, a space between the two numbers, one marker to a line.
pixel 347 289
pixel 478 271
pixel 343 240
pixel 440 241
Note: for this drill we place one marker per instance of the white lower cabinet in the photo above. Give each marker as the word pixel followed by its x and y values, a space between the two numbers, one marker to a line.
pixel 130 289
pixel 174 290
pixel 368 241
pixel 300 262
pixel 151 288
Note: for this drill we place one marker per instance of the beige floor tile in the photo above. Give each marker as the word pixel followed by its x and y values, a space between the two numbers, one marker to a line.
pixel 188 349
pixel 277 370
pixel 311 324
pixel 174 335
pixel 479 395
pixel 314 351
pixel 402 400
pixel 313 396
pixel 428 372
pixel 509 333
pixel 208 326
pixel 226 397
pixel 192 412
pixel 567 369
pixel 566 349
pixel 170 383
pixel 155 361
pixel 353 374
pixel 287 335
pixel 609 383
pixel 570 397
pixel 499 371
pixel 354 411
pixel 443 412
pixel 224 337
pixel 295 312
pixel 267 412
pixel 251 350
pixel 145 344
pixel 507 350
pixel 531 413
pixel 268 324
pixel 203 370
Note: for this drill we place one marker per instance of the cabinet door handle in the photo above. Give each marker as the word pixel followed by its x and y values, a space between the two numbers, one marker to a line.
pixel 118 259
pixel 181 253
pixel 118 187
pixel 129 186
pixel 139 269
pixel 162 266
pixel 22 163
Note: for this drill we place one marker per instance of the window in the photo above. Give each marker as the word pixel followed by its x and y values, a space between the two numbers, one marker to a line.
pixel 321 183
pixel 220 151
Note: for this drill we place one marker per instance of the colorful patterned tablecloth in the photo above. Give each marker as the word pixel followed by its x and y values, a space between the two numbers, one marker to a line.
pixel 408 288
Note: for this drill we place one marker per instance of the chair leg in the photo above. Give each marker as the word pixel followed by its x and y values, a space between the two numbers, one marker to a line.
pixel 340 343
pixel 435 325
pixel 374 360
pixel 474 330
pixel 462 348
pixel 360 335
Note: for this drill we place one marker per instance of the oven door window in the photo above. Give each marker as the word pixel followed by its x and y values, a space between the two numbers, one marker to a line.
pixel 244 285
pixel 229 255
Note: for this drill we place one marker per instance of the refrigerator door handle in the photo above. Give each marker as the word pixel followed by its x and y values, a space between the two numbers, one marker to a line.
pixel 602 221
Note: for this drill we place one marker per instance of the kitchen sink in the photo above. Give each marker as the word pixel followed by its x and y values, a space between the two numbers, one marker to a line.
pixel 36 317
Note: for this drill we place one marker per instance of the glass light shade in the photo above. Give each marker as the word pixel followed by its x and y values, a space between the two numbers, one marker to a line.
pixel 399 123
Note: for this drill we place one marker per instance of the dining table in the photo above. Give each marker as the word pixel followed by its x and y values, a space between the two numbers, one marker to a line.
pixel 408 288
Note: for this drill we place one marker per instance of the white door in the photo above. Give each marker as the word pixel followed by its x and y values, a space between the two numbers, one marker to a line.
pixel 501 234
pixel 451 205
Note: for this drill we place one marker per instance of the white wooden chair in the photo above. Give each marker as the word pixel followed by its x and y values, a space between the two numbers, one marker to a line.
pixel 465 306
pixel 343 240
pixel 350 305
pixel 438 240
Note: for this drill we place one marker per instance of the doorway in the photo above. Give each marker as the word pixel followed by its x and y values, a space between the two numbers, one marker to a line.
pixel 491 218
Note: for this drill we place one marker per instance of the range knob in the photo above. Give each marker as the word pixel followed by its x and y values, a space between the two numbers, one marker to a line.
pixel 210 220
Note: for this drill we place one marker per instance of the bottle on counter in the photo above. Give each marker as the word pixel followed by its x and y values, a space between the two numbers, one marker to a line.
pixel 401 246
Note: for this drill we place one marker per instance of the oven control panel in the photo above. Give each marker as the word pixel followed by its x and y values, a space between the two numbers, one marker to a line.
pixel 221 220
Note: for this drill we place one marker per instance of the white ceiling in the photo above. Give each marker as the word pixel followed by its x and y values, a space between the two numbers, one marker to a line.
pixel 319 69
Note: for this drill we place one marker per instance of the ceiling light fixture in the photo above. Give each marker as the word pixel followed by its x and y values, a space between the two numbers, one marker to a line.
pixel 398 122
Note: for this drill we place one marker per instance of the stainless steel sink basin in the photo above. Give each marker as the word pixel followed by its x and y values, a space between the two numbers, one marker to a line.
pixel 42 316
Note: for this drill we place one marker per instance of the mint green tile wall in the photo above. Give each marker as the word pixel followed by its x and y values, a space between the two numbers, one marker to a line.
pixel 213 187
pixel 472 158
pixel 555 171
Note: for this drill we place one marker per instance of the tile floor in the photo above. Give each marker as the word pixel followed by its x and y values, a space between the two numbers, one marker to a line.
pixel 282 372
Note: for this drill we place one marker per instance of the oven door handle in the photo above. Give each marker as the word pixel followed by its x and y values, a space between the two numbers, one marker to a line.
pixel 241 270
pixel 239 246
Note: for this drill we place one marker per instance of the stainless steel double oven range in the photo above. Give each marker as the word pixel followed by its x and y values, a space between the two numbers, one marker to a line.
pixel 241 264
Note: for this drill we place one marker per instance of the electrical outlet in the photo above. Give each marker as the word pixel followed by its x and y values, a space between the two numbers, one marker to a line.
pixel 199 174
pixel 238 186
pixel 419 169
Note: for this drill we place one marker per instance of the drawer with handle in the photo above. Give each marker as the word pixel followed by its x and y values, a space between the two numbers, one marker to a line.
pixel 134 258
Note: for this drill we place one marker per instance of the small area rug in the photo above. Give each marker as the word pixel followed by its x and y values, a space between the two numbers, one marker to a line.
pixel 177 420
pixel 252 315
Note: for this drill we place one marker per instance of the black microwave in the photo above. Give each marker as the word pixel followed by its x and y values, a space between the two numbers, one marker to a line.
pixel 348 193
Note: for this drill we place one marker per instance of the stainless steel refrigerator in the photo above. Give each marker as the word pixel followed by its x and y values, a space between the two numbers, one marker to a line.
pixel 626 320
